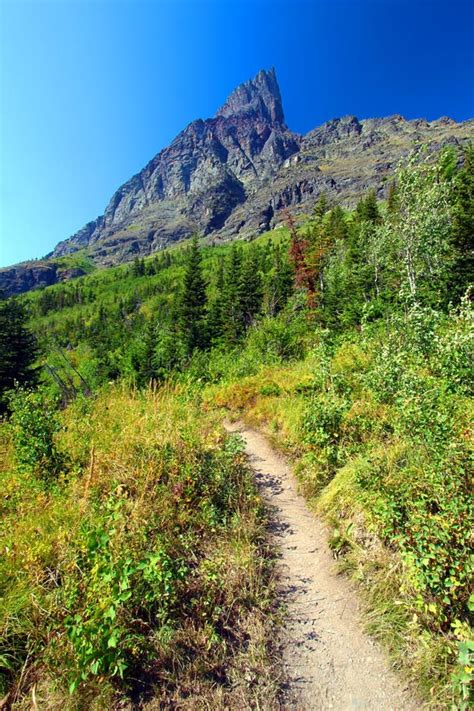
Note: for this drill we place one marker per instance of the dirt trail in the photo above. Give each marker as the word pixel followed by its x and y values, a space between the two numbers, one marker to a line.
pixel 329 663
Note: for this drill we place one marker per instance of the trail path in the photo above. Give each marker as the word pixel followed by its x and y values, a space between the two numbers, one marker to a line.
pixel 328 661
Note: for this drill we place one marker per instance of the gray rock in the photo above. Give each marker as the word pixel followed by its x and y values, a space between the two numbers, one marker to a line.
pixel 229 176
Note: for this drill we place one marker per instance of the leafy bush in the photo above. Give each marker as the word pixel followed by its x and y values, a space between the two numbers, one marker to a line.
pixel 274 340
pixel 134 571
pixel 35 424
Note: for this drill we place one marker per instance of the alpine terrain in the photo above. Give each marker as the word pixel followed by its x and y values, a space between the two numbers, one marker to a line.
pixel 229 177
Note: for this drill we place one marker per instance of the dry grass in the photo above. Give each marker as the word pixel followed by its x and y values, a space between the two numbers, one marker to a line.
pixel 274 401
pixel 162 459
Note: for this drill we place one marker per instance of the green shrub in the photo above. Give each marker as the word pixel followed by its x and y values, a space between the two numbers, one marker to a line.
pixel 34 424
pixel 274 340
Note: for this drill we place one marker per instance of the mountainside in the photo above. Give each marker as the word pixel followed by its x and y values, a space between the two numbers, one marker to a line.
pixel 140 567
pixel 229 176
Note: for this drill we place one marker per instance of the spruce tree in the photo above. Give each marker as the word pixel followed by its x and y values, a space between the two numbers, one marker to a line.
pixel 372 213
pixel 462 270
pixel 138 267
pixel 231 306
pixel 215 318
pixel 250 292
pixel 321 206
pixel 392 199
pixel 18 348
pixel 367 209
pixel 337 225
pixel 281 284
pixel 193 301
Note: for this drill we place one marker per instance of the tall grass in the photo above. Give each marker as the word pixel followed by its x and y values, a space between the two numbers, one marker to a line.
pixel 141 568
pixel 378 424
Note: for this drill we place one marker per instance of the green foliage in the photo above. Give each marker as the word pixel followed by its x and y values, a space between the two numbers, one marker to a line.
pixel 131 574
pixel 34 424
pixel 276 339
pixel 461 276
pixel 351 336
pixel 18 349
pixel 75 260
pixel 116 591
pixel 193 302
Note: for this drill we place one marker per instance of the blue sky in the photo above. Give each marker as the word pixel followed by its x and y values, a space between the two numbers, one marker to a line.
pixel 92 89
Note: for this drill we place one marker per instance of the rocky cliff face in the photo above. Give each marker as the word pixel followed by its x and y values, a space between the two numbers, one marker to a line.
pixel 230 175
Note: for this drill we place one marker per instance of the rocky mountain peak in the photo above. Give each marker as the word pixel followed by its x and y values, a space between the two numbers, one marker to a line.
pixel 230 176
pixel 257 98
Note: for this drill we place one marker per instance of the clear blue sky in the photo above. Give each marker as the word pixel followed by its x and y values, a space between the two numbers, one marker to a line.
pixel 92 89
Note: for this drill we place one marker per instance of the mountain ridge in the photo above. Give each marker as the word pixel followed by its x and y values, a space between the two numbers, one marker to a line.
pixel 228 177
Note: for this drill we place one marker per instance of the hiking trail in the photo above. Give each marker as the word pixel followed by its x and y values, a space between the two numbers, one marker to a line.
pixel 328 661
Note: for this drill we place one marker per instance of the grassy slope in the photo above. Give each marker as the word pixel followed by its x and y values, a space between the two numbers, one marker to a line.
pixel 155 532
pixel 391 476
pixel 380 444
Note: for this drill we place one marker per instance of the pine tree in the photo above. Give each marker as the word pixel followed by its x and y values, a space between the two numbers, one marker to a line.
pixel 372 213
pixel 321 206
pixel 138 267
pixel 367 209
pixel 280 286
pixel 250 291
pixel 18 348
pixel 215 317
pixel 193 301
pixel 231 306
pixel 392 199
pixel 322 239
pixel 462 270
pixel 298 252
pixel 337 225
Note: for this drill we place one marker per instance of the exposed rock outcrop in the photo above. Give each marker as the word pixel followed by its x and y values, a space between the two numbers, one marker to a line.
pixel 230 175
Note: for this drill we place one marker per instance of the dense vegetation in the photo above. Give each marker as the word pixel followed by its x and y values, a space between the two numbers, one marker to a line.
pixel 132 531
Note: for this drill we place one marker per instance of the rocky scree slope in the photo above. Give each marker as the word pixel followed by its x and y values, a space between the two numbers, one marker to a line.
pixel 230 176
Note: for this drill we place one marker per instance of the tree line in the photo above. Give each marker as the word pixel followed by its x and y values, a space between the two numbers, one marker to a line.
pixel 347 266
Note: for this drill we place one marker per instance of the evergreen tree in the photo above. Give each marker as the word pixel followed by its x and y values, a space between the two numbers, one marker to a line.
pixel 367 209
pixel 321 242
pixel 372 213
pixel 321 206
pixel 231 306
pixel 18 348
pixel 392 199
pixel 250 292
pixel 193 301
pixel 298 254
pixel 337 225
pixel 215 318
pixel 462 270
pixel 150 267
pixel 280 285
pixel 138 267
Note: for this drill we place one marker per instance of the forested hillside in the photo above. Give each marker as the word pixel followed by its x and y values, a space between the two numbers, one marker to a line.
pixel 135 560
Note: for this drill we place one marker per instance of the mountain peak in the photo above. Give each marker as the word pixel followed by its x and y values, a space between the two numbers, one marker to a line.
pixel 257 97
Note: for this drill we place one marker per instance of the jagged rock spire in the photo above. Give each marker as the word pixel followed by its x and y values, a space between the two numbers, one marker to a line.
pixel 259 97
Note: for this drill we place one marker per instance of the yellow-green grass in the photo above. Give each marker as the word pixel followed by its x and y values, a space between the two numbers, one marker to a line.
pixel 153 501
pixel 418 630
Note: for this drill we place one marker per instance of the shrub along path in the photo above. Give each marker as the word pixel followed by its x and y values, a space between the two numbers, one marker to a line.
pixel 328 661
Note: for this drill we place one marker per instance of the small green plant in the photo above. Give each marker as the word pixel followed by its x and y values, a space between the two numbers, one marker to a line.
pixel 118 595
pixel 463 676
pixel 270 389
pixel 34 424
